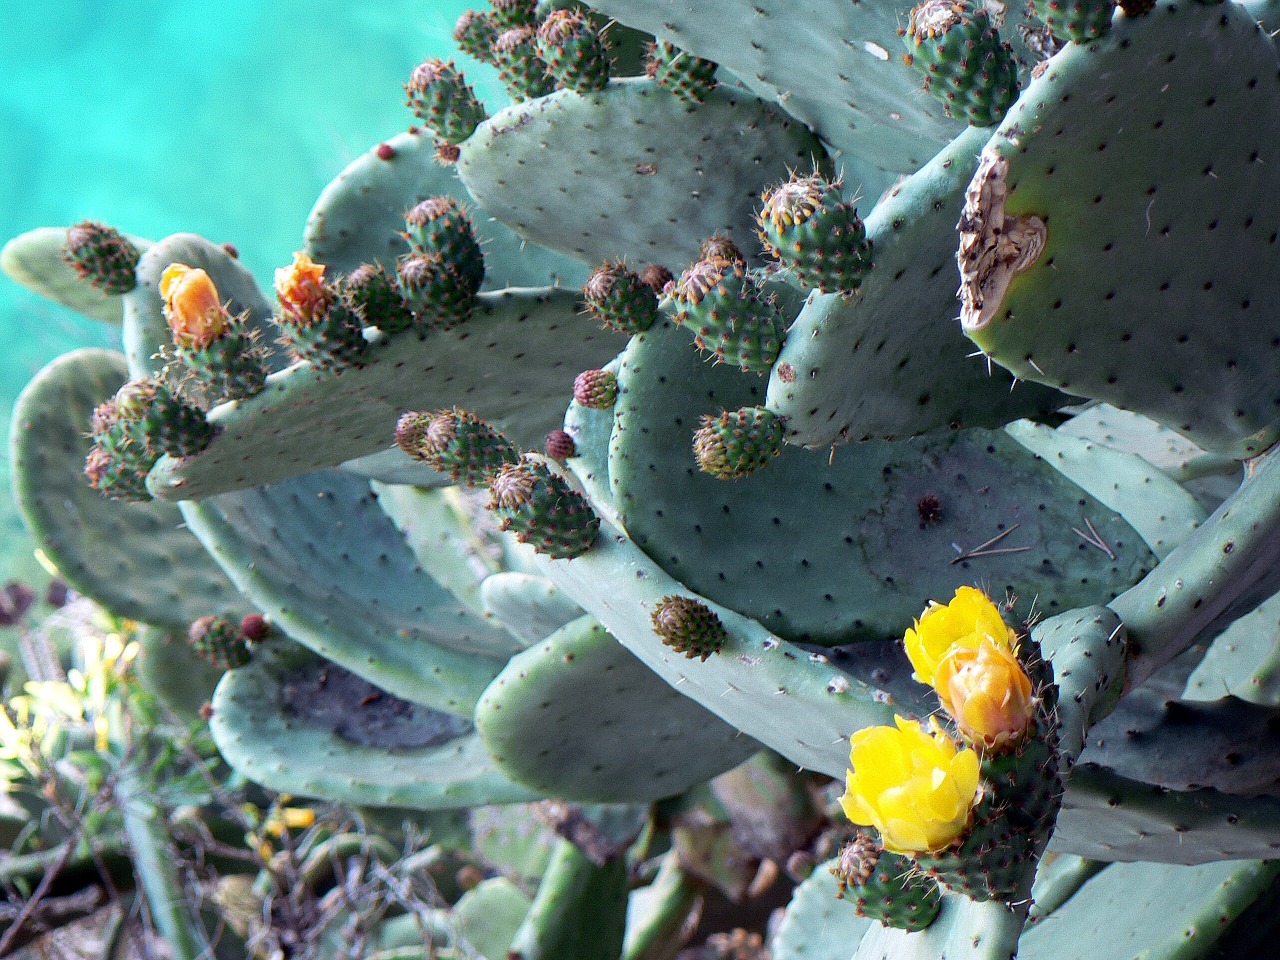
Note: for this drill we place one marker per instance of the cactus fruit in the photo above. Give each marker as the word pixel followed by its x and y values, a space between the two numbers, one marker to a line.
pixel 737 443
pixel 522 70
pixel 731 313
pixel 885 886
pixel 474 34
pixel 147 412
pixel 374 297
pixel 442 100
pixel 101 255
pixel 120 471
pixel 439 226
pixel 688 626
pixel 1078 20
pixel 808 228
pixel 541 509
pixel 595 389
pixel 440 296
pixel 559 446
pixel 574 51
pixel 220 642
pixel 456 442
pixel 623 300
pixel 509 14
pixel 957 48
pixel 688 77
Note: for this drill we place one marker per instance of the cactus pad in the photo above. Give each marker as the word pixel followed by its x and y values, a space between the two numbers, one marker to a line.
pixel 34 259
pixel 1180 204
pixel 318 557
pixel 889 361
pixel 295 723
pixel 578 716
pixel 651 175
pixel 811 522
pixel 306 420
pixel 359 219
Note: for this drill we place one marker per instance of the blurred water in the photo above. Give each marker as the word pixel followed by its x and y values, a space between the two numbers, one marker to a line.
pixel 224 119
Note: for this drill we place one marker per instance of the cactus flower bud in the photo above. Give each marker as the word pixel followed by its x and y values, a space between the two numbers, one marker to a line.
pixel 916 787
pixel 988 694
pixel 103 256
pixel 196 316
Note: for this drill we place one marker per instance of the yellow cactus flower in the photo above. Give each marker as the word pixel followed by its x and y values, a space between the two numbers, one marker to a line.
pixel 196 316
pixel 916 787
pixel 944 627
pixel 987 693
pixel 301 290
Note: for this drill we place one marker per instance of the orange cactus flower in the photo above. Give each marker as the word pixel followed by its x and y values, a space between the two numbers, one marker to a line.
pixel 988 694
pixel 301 290
pixel 196 316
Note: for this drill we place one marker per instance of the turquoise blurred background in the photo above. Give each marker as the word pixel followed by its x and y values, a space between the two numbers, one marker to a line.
pixel 224 119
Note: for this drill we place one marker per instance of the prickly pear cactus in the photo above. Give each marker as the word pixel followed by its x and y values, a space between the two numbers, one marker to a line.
pixel 736 462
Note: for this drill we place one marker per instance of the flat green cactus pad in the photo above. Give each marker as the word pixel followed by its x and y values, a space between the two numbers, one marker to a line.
pixel 530 607
pixel 844 549
pixel 788 698
pixel 489 914
pixel 444 538
pixel 1161 217
pixel 359 218
pixel 580 717
pixel 136 559
pixel 651 176
pixel 34 259
pixel 1161 511
pixel 889 361
pixel 1227 743
pixel 838 68
pixel 325 564
pixel 1114 915
pixel 816 925
pixel 512 364
pixel 298 724
pixel 1243 660
pixel 963 930
pixel 145 328
pixel 1107 816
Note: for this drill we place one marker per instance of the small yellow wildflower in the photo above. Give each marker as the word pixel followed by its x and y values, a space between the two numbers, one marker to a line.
pixel 301 290
pixel 191 306
pixel 987 693
pixel 916 788
pixel 944 627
